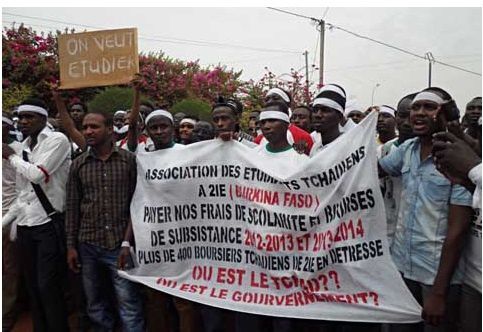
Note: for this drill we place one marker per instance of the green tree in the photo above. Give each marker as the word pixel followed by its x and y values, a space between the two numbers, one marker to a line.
pixel 191 106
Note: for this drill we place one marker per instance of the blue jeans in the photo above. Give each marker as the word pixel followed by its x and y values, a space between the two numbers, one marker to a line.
pixel 127 293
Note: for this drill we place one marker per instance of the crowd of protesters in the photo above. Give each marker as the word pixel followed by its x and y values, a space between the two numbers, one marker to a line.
pixel 68 182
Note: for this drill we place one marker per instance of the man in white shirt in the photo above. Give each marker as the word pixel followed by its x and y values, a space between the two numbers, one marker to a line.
pixel 40 237
pixel 328 112
pixel 274 122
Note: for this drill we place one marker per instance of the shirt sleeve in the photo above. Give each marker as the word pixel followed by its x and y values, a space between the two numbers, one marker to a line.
pixel 460 196
pixel 53 152
pixel 393 162
pixel 475 176
pixel 72 211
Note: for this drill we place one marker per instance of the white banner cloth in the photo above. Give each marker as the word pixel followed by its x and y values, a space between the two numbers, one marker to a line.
pixel 214 223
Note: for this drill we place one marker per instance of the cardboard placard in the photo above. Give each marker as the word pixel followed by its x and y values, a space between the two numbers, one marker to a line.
pixel 98 58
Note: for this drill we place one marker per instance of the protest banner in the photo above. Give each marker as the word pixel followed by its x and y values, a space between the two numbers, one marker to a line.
pixel 98 58
pixel 216 224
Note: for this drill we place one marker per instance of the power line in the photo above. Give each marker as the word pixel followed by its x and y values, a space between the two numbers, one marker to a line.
pixel 456 67
pixel 168 39
pixel 294 14
pixel 332 26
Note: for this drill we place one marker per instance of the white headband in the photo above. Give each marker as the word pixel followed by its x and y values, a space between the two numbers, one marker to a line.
pixel 121 130
pixel 188 120
pixel 388 110
pixel 266 115
pixel 7 120
pixel 427 95
pixel 351 106
pixel 279 92
pixel 34 109
pixel 333 88
pixel 328 103
pixel 120 112
pixel 164 113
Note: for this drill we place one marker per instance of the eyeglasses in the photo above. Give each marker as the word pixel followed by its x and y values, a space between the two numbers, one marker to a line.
pixel 429 106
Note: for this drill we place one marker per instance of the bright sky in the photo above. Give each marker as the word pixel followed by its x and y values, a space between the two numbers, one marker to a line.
pixel 251 39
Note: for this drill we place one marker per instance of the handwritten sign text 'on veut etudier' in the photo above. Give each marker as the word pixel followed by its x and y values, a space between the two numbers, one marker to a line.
pixel 98 58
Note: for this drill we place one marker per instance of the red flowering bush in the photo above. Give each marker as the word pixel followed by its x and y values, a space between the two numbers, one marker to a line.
pixel 169 80
pixel 30 59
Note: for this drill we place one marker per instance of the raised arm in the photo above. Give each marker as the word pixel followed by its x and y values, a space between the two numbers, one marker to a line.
pixel 67 123
pixel 132 135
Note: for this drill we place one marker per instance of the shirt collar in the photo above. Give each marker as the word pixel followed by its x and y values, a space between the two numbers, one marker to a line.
pixel 44 133
pixel 92 154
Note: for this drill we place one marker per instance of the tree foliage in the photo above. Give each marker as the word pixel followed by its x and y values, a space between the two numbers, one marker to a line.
pixel 30 63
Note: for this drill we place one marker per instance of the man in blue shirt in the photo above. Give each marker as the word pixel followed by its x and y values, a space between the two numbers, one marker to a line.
pixel 433 219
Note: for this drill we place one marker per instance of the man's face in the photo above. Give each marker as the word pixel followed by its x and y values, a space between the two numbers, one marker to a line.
pixel 473 112
pixel 119 120
pixel 386 123
pixel 95 130
pixel 77 113
pixel 402 119
pixel 356 116
pixel 275 131
pixel 160 130
pixel 224 119
pixel 301 117
pixel 186 131
pixel 274 98
pixel 31 123
pixel 253 116
pixel 422 117
pixel 325 118
pixel 203 131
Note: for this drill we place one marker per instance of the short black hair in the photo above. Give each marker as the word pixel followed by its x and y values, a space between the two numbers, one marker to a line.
pixel 35 102
pixel 108 116
pixel 409 96
pixel 84 106
pixel 474 99
pixel 282 107
pixel 307 107
pixel 147 103
pixel 234 104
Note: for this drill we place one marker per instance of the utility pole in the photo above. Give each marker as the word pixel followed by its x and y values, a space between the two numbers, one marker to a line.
pixel 430 58
pixel 321 65
pixel 307 95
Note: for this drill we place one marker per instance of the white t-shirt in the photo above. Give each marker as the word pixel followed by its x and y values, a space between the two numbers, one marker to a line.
pixel 149 146
pixel 319 145
pixel 285 160
pixel 473 249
